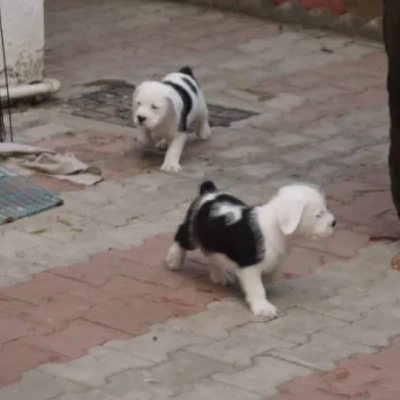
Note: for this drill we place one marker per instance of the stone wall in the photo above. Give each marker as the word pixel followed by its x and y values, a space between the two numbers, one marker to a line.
pixel 355 17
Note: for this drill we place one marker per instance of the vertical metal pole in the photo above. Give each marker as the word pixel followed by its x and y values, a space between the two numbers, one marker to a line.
pixel 6 78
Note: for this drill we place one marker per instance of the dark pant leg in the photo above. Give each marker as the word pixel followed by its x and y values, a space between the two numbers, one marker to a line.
pixel 391 33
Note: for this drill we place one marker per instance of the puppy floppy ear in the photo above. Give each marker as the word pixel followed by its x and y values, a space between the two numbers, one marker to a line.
pixel 289 215
pixel 136 91
pixel 172 109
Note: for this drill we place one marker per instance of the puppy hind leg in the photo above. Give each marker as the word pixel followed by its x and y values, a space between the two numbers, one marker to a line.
pixel 177 252
pixel 253 288
pixel 203 130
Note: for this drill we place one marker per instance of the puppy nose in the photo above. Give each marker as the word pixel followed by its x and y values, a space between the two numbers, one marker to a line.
pixel 141 119
pixel 333 223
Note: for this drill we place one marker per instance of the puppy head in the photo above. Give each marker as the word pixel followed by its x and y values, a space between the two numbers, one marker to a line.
pixel 152 104
pixel 302 211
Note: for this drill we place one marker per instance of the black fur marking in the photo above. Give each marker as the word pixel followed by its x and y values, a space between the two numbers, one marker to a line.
pixel 187 104
pixel 183 235
pixel 207 187
pixel 239 241
pixel 191 85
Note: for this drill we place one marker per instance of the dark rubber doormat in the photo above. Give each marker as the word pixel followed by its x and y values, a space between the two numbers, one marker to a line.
pixel 112 103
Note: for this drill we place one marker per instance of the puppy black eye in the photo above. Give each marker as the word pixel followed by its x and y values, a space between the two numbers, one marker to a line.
pixel 138 103
pixel 154 107
pixel 319 215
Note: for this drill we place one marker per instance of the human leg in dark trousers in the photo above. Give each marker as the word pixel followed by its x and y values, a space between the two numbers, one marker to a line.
pixel 391 35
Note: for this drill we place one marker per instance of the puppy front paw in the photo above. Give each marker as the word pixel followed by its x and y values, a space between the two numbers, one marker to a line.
pixel 204 132
pixel 264 308
pixel 171 166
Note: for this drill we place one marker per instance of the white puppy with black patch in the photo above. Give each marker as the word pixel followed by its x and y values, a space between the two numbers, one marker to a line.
pixel 251 242
pixel 164 110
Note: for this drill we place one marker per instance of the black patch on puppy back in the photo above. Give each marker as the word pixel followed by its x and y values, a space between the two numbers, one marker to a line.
pixel 239 241
pixel 187 103
pixel 191 85
pixel 207 187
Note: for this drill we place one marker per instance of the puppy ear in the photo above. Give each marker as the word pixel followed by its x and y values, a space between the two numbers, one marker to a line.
pixel 172 109
pixel 136 91
pixel 289 215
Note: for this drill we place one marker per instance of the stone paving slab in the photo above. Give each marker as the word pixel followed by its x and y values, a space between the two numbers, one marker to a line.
pixel 89 309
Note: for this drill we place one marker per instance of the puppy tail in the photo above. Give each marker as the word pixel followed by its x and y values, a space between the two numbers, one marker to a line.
pixel 187 71
pixel 207 187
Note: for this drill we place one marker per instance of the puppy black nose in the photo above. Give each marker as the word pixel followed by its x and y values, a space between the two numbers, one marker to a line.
pixel 333 223
pixel 141 119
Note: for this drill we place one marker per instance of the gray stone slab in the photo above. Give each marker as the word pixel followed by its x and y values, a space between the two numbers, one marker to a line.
pixel 208 389
pixel 36 385
pixel 157 344
pixel 321 352
pixel 95 367
pixel 265 376
pixel 295 326
pixel 167 379
pixel 376 330
pixel 217 320
pixel 240 347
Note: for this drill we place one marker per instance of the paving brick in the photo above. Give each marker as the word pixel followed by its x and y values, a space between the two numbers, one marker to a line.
pixel 301 261
pixel 118 288
pixel 157 344
pixel 166 379
pixel 54 314
pixel 240 347
pixel 304 156
pixel 151 253
pixel 37 385
pixel 376 330
pixel 211 389
pixel 42 286
pixel 340 144
pixel 76 338
pixel 92 395
pixel 95 367
pixel 15 328
pixel 285 102
pixel 21 357
pixel 97 271
pixel 343 243
pixel 364 376
pixel 321 352
pixel 15 242
pixel 296 326
pixel 216 321
pixel 146 313
pixel 158 274
pixel 274 371
pixel 240 152
pixel 362 295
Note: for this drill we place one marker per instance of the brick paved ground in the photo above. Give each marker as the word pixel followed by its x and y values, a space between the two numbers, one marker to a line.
pixel 87 310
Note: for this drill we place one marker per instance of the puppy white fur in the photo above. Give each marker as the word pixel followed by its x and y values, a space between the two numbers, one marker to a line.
pixel 164 110
pixel 250 242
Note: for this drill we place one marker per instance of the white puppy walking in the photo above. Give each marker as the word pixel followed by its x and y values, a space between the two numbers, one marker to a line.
pixel 250 241
pixel 164 111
